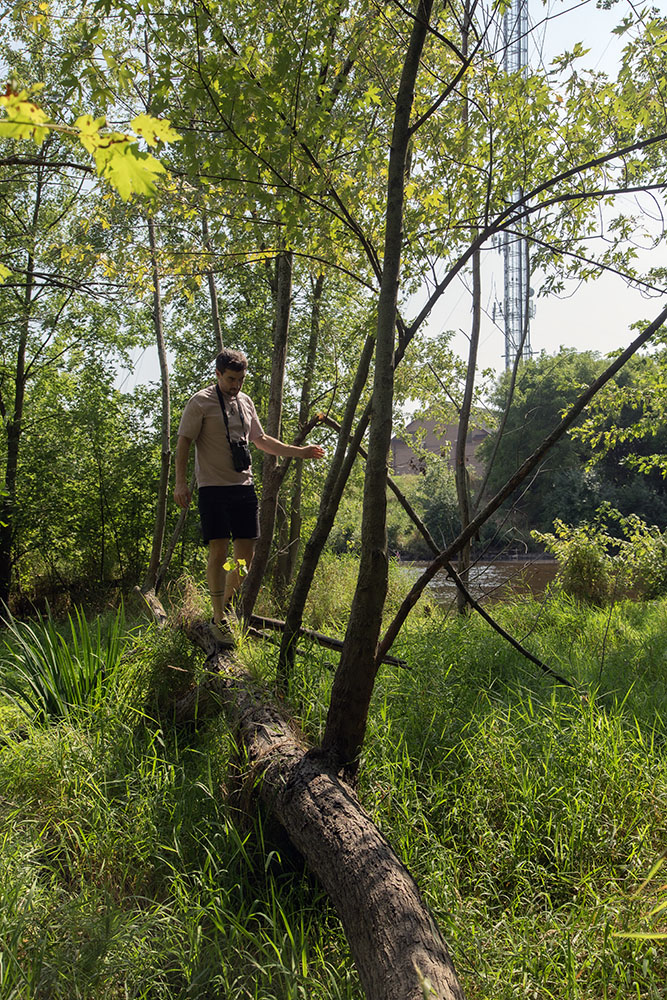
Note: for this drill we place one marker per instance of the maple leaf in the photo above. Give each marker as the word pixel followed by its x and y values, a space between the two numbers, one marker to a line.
pixel 24 118
pixel 129 170
pixel 154 130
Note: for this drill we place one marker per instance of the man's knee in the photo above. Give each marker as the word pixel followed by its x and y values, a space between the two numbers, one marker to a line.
pixel 217 550
pixel 244 548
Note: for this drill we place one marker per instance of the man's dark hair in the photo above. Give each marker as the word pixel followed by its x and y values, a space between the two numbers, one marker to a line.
pixel 236 360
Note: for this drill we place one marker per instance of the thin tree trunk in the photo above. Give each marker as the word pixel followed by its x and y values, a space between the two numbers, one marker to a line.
pixel 165 419
pixel 355 677
pixel 282 530
pixel 217 333
pixel 337 476
pixel 173 541
pixel 271 477
pixel 460 469
pixel 14 423
pixel 295 520
pixel 213 292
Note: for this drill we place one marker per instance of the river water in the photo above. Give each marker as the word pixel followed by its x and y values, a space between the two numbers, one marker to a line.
pixel 499 580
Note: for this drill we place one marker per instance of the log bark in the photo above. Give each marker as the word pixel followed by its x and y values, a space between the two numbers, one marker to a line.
pixel 396 945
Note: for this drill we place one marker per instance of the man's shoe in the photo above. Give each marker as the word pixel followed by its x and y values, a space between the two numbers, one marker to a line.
pixel 223 634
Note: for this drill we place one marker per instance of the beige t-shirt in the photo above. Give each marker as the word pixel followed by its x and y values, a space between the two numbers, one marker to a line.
pixel 203 423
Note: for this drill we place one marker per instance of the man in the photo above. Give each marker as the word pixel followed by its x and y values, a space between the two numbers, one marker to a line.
pixel 222 421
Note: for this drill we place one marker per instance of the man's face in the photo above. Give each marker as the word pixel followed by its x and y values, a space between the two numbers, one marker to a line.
pixel 230 381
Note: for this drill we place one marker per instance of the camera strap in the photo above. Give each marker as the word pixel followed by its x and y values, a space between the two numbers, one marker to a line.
pixel 224 414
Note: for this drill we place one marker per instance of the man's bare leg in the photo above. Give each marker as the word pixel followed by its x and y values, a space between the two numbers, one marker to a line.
pixel 216 575
pixel 244 549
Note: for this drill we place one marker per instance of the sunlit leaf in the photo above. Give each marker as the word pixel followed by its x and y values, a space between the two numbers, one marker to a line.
pixel 154 130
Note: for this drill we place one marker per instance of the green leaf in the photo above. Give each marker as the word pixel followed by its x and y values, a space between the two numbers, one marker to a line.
pixel 153 130
pixel 24 118
pixel 128 170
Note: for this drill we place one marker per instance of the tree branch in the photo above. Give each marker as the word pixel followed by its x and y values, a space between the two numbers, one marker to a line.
pixel 522 472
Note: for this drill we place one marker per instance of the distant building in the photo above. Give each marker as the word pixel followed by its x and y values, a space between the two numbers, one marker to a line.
pixel 439 440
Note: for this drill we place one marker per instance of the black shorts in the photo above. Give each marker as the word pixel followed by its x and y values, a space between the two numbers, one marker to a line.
pixel 228 512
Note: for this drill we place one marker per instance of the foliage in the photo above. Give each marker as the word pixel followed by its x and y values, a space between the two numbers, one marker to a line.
pixel 597 566
pixel 117 157
pixel 86 501
pixel 328 604
pixel 130 863
pixel 586 568
pixel 432 495
pixel 528 813
pixel 575 478
pixel 628 418
pixel 51 675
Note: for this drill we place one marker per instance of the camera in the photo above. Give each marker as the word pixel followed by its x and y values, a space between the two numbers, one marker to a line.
pixel 240 455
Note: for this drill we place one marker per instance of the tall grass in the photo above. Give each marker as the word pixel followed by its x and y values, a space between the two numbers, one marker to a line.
pixel 50 672
pixel 133 865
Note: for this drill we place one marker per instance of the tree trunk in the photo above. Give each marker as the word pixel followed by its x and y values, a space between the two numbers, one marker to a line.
pixel 286 563
pixel 14 429
pixel 281 564
pixel 213 292
pixel 460 470
pixel 14 422
pixel 165 420
pixel 355 677
pixel 395 943
pixel 217 333
pixel 337 476
pixel 271 476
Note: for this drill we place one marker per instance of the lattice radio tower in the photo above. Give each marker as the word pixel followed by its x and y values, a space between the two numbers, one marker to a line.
pixel 517 307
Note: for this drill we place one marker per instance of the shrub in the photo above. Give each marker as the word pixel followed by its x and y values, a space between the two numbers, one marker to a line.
pixel 608 556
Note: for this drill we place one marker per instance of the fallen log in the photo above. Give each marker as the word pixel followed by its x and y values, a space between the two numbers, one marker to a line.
pixel 396 945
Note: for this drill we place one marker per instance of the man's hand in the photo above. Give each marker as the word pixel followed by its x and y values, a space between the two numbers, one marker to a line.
pixel 182 495
pixel 313 451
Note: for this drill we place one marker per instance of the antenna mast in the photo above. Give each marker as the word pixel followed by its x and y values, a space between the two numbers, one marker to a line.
pixel 517 309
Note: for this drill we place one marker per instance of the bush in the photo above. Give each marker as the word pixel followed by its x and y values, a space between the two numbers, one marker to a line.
pixel 609 556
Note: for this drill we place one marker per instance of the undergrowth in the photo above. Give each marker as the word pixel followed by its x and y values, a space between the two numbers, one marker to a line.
pixel 532 815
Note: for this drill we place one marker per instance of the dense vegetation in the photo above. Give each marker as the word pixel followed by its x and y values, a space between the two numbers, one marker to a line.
pixel 586 469
pixel 531 816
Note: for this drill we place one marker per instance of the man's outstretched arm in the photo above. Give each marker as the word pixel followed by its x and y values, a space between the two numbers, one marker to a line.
pixel 272 446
